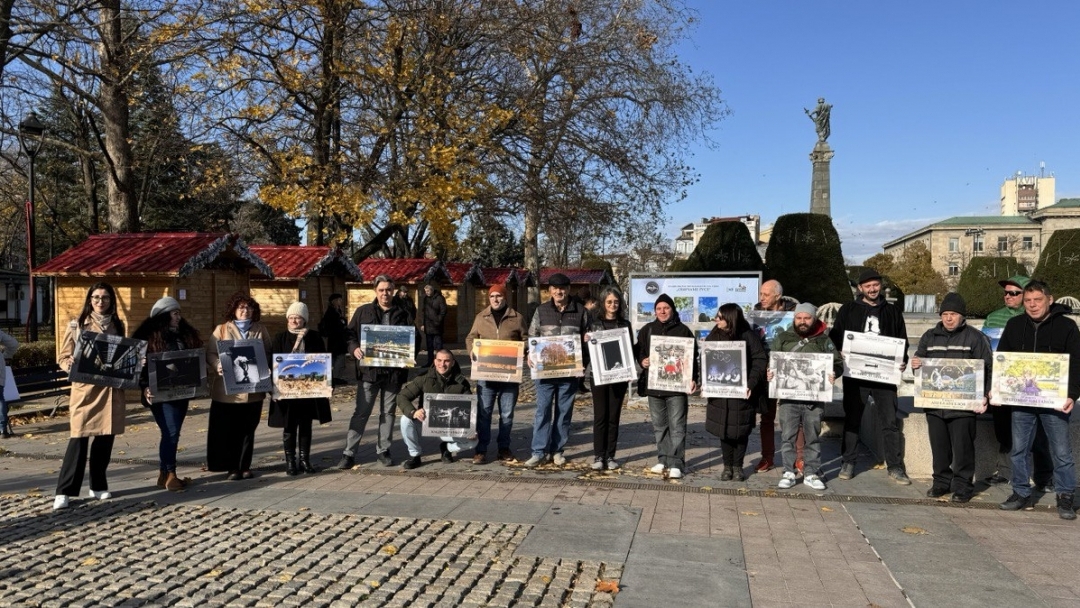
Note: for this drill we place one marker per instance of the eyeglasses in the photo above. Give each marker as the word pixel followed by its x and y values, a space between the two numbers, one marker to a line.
pixel 100 298
pixel 1014 293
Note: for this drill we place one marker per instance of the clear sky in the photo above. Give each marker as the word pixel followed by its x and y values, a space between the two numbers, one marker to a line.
pixel 935 103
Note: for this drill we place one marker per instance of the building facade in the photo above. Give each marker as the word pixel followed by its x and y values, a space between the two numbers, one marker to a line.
pixel 690 234
pixel 1026 194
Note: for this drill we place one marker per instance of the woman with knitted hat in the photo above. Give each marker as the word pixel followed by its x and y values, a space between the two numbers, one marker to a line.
pixel 294 416
pixel 166 330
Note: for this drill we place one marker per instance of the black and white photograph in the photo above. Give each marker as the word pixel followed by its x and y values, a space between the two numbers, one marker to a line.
pixel 723 369
pixel 244 367
pixel 873 357
pixel 801 376
pixel 612 358
pixel 178 374
pixel 388 346
pixel 108 360
pixel 449 415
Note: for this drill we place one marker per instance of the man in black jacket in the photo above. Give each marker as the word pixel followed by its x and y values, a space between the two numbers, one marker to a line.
pixel 376 383
pixel 445 377
pixel 871 313
pixel 333 328
pixel 1043 328
pixel 434 318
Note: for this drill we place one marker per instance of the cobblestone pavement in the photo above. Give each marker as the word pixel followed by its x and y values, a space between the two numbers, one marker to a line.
pixel 122 553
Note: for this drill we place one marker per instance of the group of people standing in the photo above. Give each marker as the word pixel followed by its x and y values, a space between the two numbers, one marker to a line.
pixel 1031 322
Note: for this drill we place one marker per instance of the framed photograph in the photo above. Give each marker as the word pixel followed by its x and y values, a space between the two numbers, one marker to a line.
pixel 555 357
pixel 178 374
pixel 449 415
pixel 303 375
pixel 388 345
pixel 1030 379
pixel 801 376
pixel 769 323
pixel 244 366
pixel 497 360
pixel 107 360
pixel 671 364
pixel 723 369
pixel 873 357
pixel 611 356
pixel 950 384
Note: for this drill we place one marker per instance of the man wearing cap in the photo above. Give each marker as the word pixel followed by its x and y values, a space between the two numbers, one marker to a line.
pixel 952 432
pixel 871 313
pixel 560 315
pixel 434 316
pixel 380 384
pixel 1040 451
pixel 1043 328
pixel 496 322
pixel 771 298
pixel 807 335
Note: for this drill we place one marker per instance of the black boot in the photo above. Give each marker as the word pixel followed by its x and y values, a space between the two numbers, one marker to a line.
pixel 305 453
pixel 6 431
pixel 290 454
pixel 444 451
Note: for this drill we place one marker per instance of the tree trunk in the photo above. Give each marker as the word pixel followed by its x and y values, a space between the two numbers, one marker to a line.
pixel 532 255
pixel 123 203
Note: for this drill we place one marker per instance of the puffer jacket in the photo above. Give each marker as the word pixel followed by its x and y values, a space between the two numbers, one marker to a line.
pixel 431 382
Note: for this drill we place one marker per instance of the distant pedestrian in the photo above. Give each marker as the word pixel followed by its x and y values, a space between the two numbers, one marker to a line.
pixel 434 319
pixel 294 416
pixel 230 433
pixel 166 330
pixel 333 328
pixel 96 411
pixel 8 346
pixel 732 419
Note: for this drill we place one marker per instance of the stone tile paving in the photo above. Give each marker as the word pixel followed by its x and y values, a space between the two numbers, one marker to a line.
pixel 132 553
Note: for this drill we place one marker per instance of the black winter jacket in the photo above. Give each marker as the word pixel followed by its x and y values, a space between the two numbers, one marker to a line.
pixel 1056 333
pixel 734 418
pixel 432 382
pixel 964 342
pixel 434 313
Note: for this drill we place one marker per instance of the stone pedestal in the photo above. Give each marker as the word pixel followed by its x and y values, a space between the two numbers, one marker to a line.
pixel 820 199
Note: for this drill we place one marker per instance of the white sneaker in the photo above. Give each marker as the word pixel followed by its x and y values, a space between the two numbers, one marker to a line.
pixel 786 480
pixel 674 473
pixel 102 495
pixel 814 482
pixel 657 468
pixel 60 502
pixel 534 461
pixel 612 465
pixel 559 459
pixel 598 465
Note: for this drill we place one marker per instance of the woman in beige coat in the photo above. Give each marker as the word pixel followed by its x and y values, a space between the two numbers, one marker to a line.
pixel 96 411
pixel 230 435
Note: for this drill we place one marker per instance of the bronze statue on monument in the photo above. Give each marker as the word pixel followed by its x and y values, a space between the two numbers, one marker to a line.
pixel 820 116
pixel 820 188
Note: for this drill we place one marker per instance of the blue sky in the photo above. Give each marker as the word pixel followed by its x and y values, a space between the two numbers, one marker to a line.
pixel 934 105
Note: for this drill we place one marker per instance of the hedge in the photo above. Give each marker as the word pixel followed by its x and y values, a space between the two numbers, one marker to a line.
pixel 804 255
pixel 725 246
pixel 1059 264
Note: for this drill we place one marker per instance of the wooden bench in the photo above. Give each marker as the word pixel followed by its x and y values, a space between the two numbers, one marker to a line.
pixel 42 381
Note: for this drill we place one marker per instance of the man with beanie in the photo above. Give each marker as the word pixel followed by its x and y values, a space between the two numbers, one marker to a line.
pixel 560 315
pixel 807 335
pixel 1043 328
pixel 496 322
pixel 1040 451
pixel 871 313
pixel 434 318
pixel 666 408
pixel 771 299
pixel 380 384
pixel 952 432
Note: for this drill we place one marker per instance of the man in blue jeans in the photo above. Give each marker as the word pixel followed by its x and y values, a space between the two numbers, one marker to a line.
pixel 560 315
pixel 1043 328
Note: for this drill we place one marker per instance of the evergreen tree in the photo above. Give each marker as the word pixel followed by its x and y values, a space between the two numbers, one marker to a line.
pixel 979 283
pixel 491 244
pixel 725 246
pixel 804 255
pixel 1059 263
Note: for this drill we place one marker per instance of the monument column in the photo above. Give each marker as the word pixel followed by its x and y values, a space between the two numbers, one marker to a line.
pixel 819 184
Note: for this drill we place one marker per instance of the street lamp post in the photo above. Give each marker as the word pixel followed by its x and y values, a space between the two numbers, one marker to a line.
pixel 31 133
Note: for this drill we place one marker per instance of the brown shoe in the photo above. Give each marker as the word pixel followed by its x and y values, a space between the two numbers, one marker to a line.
pixel 506 454
pixel 764 465
pixel 478 459
pixel 161 479
pixel 174 483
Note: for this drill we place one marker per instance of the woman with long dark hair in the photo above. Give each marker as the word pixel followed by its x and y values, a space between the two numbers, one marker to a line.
pixel 294 416
pixel 608 398
pixel 95 411
pixel 230 434
pixel 732 420
pixel 166 330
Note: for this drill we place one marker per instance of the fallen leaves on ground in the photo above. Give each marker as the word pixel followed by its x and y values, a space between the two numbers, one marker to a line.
pixel 913 530
pixel 607 586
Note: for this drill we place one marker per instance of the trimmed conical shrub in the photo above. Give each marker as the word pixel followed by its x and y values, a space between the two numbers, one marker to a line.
pixel 804 255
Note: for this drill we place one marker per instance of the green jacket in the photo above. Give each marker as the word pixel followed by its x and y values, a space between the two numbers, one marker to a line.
pixel 1001 316
pixel 434 383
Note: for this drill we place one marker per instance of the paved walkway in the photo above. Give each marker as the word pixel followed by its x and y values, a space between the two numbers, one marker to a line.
pixel 500 535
